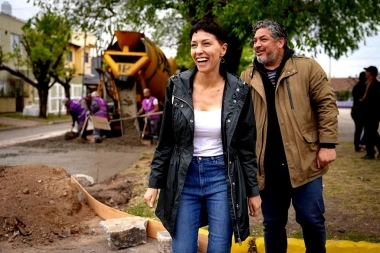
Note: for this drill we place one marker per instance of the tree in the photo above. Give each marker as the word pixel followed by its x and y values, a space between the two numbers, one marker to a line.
pixel 334 27
pixel 45 41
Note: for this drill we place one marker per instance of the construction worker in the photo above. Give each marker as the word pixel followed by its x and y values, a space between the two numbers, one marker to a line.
pixel 99 109
pixel 78 114
pixel 150 105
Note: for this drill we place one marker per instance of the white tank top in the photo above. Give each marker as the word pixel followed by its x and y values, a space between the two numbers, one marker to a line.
pixel 208 133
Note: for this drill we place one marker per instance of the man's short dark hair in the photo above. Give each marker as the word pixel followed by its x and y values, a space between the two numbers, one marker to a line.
pixel 276 30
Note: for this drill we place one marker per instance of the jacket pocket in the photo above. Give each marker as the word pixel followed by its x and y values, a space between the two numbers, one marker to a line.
pixel 310 133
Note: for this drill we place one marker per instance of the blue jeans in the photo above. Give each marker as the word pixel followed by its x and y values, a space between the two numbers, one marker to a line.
pixel 309 207
pixel 205 190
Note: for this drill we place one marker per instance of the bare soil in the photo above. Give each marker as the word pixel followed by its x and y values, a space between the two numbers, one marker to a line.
pixel 42 211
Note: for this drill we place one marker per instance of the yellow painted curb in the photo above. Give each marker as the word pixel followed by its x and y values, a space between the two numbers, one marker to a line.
pixel 297 246
pixel 294 245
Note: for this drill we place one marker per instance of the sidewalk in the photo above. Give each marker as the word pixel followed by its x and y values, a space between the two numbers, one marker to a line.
pixel 7 123
pixel 12 123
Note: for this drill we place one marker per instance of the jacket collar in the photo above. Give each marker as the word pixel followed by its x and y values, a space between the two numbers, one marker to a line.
pixel 183 85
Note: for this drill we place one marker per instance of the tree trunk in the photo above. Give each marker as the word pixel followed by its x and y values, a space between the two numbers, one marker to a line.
pixel 67 90
pixel 43 94
pixel 234 51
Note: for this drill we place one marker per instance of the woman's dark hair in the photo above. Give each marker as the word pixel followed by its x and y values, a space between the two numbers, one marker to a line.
pixel 362 77
pixel 210 26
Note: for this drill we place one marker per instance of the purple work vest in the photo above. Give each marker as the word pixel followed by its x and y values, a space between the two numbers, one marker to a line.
pixel 76 108
pixel 102 112
pixel 148 106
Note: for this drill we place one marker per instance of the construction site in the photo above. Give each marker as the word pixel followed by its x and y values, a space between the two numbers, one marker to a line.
pixel 46 208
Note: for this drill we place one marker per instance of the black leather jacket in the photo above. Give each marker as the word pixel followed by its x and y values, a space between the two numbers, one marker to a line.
pixel 175 150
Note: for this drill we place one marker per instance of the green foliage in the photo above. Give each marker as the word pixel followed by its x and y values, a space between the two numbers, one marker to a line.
pixel 246 59
pixel 334 27
pixel 343 95
pixel 46 39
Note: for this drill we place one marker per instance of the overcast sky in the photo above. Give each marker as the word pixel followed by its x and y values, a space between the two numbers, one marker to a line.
pixel 346 66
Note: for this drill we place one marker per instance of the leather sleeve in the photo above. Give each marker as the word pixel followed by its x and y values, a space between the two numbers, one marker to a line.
pixel 246 141
pixel 163 152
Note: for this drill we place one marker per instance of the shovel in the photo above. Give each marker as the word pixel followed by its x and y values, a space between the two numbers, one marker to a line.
pixel 145 124
pixel 84 126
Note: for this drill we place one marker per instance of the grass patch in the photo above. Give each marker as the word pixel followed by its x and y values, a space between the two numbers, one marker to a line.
pixel 139 173
pixel 50 117
pixel 140 209
pixel 357 237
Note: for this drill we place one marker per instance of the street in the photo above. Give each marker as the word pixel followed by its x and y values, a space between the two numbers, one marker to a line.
pixel 20 135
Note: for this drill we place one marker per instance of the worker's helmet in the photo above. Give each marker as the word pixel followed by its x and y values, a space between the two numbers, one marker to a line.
pixel 94 94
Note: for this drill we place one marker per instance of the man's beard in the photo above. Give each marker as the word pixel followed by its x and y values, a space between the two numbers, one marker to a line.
pixel 269 59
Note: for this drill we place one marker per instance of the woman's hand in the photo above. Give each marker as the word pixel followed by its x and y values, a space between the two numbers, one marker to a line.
pixel 150 196
pixel 254 204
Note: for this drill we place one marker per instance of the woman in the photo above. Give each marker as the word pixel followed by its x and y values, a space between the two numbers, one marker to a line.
pixel 204 164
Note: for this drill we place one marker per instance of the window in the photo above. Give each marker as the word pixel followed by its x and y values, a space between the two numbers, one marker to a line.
pixel 3 87
pixel 15 42
pixel 86 57
pixel 69 56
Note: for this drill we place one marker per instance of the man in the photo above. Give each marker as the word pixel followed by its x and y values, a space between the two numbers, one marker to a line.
pixel 99 109
pixel 357 110
pixel 78 114
pixel 297 130
pixel 150 105
pixel 371 112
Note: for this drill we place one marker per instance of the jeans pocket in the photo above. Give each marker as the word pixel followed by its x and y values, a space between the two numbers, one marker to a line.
pixel 219 161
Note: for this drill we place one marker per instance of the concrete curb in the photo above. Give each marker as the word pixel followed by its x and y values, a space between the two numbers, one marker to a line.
pixel 297 246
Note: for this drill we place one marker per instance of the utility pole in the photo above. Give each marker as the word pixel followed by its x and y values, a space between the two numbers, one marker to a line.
pixel 84 62
pixel 329 67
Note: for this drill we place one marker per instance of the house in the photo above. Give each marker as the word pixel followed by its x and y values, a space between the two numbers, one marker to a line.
pixel 79 56
pixel 14 94
pixel 340 84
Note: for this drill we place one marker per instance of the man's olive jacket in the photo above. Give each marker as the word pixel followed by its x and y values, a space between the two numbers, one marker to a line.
pixel 307 115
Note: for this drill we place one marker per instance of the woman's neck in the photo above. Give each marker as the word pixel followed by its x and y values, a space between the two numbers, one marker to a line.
pixel 209 80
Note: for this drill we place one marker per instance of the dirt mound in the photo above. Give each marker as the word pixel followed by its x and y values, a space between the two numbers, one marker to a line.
pixel 70 135
pixel 39 205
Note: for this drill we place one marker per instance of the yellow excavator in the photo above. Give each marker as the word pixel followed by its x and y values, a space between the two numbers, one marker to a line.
pixel 131 64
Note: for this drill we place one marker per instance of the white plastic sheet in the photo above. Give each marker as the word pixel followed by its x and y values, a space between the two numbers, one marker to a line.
pixel 31 110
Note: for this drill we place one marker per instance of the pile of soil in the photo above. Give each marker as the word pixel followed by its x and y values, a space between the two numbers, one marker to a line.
pixel 39 205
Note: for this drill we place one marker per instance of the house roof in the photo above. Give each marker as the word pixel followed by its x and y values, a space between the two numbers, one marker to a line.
pixel 12 17
pixel 347 83
pixel 343 83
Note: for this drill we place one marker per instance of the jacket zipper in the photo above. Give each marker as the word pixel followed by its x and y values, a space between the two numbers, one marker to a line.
pixel 262 144
pixel 184 102
pixel 290 94
pixel 232 197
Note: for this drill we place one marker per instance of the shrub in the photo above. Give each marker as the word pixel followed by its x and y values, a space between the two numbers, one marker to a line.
pixel 343 95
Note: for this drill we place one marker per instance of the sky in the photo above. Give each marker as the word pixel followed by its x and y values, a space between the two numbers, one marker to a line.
pixel 352 65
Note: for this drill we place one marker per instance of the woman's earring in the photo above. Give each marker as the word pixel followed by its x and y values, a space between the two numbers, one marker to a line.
pixel 222 60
